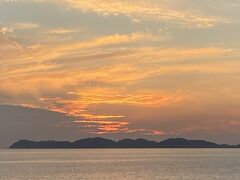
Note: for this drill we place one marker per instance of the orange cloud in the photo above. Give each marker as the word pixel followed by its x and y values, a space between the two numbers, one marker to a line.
pixel 152 98
pixel 106 127
pixel 69 71
pixel 146 10
pixel 77 106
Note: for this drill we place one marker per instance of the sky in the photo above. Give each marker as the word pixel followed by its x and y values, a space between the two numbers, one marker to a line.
pixel 119 69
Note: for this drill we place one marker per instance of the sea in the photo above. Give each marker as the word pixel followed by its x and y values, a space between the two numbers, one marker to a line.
pixel 118 164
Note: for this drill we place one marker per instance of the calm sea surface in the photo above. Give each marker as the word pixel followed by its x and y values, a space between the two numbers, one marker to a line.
pixel 120 164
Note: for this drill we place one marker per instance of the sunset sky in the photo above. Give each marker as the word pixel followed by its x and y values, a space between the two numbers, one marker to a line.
pixel 119 68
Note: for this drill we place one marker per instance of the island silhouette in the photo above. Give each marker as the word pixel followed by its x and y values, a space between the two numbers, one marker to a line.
pixel 99 142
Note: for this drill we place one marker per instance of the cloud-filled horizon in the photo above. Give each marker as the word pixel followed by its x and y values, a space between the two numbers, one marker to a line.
pixel 120 68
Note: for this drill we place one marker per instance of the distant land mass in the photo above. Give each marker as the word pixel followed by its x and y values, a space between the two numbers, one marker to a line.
pixel 125 143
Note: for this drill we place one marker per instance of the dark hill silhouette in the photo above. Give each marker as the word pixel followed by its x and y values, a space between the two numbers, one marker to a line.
pixel 26 144
pixel 125 143
pixel 94 143
pixel 181 143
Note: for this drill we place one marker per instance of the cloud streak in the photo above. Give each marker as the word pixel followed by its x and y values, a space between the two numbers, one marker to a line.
pixel 139 10
pixel 146 10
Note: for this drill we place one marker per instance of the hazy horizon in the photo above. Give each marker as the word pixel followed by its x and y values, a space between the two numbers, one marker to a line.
pixel 117 69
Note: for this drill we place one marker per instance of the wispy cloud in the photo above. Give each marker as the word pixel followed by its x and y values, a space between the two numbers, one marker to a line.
pixel 146 10
pixel 139 10
pixel 5 30
pixel 6 42
pixel 63 31
pixel 25 25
